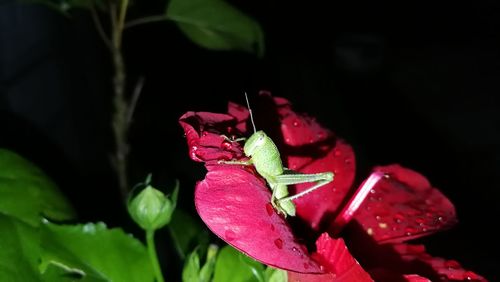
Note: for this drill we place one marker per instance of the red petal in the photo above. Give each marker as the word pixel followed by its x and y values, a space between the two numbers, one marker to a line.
pixel 334 256
pixel 404 206
pixel 235 205
pixel 203 132
pixel 434 266
pixel 314 149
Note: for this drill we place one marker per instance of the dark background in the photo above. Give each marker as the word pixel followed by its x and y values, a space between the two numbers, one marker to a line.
pixel 414 84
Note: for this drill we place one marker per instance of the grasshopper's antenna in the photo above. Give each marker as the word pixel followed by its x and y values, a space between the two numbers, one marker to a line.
pixel 250 111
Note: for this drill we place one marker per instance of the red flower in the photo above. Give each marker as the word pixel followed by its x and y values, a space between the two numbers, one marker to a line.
pixel 392 206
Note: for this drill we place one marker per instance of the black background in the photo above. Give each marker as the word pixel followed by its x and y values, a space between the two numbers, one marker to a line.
pixel 414 84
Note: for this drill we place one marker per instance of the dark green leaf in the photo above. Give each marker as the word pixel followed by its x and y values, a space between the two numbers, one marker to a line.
pixel 19 244
pixel 216 25
pixel 97 253
pixel 27 193
pixel 233 266
pixel 187 232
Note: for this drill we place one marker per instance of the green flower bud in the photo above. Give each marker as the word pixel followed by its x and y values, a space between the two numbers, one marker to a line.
pixel 151 209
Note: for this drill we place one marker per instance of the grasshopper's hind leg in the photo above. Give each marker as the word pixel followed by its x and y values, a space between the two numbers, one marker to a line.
pixel 320 179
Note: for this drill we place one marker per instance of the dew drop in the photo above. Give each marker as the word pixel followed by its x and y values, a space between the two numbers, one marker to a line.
pixel 295 249
pixel 296 123
pixel 347 160
pixel 279 243
pixel 226 145
pixel 469 275
pixel 269 209
pixel 321 135
pixel 337 153
pixel 229 235
pixel 399 217
pixel 204 133
pixel 287 140
pixel 382 225
pixel 410 230
pixel 306 266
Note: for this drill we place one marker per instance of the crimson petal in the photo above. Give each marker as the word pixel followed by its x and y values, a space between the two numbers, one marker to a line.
pixel 334 256
pixel 204 132
pixel 301 133
pixel 446 269
pixel 235 205
pixel 404 206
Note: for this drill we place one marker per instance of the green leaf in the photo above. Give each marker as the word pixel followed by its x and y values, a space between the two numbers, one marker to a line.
pixel 27 193
pixel 191 267
pixel 233 266
pixel 208 268
pixel 216 25
pixel 187 232
pixel 275 275
pixel 94 252
pixel 19 244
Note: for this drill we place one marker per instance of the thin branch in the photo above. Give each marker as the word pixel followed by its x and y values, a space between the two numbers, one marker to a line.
pixel 99 27
pixel 121 21
pixel 146 20
pixel 135 97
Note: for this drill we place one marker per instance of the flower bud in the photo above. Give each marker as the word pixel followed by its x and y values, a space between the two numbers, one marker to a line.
pixel 151 209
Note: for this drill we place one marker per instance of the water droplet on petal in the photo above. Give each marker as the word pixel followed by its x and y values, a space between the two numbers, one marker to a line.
pixel 295 249
pixel 399 217
pixel 382 225
pixel 269 209
pixel 469 275
pixel 306 266
pixel 410 230
pixel 296 123
pixel 279 243
pixel 229 235
pixel 226 145
pixel 204 133
pixel 337 153
pixel 347 160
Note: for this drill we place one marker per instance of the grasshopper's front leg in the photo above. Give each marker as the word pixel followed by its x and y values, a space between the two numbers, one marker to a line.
pixel 247 162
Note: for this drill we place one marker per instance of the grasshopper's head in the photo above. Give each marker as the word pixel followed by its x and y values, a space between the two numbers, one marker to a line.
pixel 254 142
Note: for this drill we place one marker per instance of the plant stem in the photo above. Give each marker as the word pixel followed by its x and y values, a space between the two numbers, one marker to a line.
pixel 120 103
pixel 120 124
pixel 150 242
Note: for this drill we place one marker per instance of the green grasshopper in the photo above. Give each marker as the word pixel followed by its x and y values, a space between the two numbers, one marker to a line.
pixel 264 155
